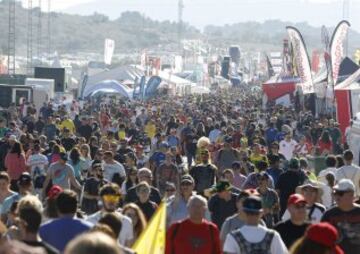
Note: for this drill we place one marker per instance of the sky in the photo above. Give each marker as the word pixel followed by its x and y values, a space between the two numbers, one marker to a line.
pixel 204 12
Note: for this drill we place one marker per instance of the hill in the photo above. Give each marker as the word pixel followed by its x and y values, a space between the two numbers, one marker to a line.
pixel 269 35
pixel 73 33
pixel 134 31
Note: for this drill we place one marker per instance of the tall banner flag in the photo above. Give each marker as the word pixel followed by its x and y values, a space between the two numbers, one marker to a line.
pixel 109 51
pixel 152 239
pixel 269 67
pixel 337 48
pixel 302 60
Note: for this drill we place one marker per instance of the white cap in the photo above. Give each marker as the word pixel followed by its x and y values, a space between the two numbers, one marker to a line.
pixel 345 185
pixel 12 138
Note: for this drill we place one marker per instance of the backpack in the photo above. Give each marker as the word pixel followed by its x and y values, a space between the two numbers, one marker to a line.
pixel 246 247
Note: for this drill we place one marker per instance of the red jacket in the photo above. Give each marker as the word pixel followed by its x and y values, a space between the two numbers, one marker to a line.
pixel 186 237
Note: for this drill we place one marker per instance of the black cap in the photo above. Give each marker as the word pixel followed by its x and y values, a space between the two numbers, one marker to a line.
pixel 228 139
pixel 252 204
pixel 24 179
pixel 63 156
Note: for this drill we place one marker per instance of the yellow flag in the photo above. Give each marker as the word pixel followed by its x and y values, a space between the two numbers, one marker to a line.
pixel 152 239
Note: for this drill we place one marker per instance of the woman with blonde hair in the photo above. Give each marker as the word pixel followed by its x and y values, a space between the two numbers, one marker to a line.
pixel 202 144
pixel 137 217
pixel 85 155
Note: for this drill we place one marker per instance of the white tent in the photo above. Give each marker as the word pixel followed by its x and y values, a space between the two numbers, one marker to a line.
pixel 108 86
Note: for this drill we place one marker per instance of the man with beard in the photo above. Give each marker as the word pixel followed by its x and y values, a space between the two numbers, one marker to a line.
pixel 110 198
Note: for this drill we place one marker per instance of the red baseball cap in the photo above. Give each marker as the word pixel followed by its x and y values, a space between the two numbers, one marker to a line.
pixel 296 199
pixel 54 191
pixel 324 234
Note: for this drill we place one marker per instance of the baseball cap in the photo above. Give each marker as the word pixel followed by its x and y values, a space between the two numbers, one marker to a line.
pixel 252 204
pixel 221 186
pixel 164 145
pixel 12 138
pixel 63 156
pixel 24 179
pixel 296 199
pixel 187 179
pixel 344 185
pixel 54 191
pixel 294 163
pixel 324 234
pixel 228 139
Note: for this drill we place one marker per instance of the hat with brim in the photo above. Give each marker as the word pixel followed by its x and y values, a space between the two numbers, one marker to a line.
pixel 221 186
pixel 310 185
pixel 63 156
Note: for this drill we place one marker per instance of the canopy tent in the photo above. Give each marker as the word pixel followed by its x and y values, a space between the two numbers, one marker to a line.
pixel 120 74
pixel 276 88
pixel 108 86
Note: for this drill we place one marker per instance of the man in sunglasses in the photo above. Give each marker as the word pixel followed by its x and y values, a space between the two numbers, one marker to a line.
pixel 345 216
pixel 110 198
pixel 294 228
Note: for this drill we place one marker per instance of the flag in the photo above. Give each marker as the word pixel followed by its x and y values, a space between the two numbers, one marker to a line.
pixel 109 51
pixel 152 239
pixel 269 67
pixel 337 48
pixel 301 59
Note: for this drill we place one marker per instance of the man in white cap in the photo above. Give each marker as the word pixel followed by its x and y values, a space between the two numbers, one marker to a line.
pixel 345 216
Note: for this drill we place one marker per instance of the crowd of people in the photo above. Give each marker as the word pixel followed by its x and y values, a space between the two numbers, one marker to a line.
pixel 88 176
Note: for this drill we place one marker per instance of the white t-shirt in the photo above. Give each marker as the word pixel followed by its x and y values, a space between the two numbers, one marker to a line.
pixel 126 233
pixel 287 148
pixel 316 214
pixel 322 174
pixel 37 162
pixel 326 198
pixel 111 169
pixel 351 172
pixel 255 234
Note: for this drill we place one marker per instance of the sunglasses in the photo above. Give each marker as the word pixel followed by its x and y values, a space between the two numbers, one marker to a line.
pixel 170 190
pixel 111 198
